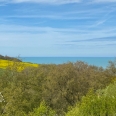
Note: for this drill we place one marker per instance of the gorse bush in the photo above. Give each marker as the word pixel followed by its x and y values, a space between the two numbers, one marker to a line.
pixel 14 65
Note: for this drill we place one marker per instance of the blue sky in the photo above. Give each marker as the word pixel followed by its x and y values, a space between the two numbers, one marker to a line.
pixel 58 28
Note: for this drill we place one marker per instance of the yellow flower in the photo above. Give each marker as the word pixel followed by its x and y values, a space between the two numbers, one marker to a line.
pixel 19 66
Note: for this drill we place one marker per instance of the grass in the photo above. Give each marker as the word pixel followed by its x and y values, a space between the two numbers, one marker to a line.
pixel 19 65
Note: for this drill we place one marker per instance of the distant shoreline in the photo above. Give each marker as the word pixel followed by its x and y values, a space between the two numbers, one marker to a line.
pixel 97 61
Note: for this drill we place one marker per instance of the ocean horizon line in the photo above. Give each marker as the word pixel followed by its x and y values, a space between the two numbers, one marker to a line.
pixel 96 61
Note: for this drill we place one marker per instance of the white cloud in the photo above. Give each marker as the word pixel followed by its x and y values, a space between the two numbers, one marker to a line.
pixel 98 1
pixel 43 1
pixel 50 17
pixel 41 41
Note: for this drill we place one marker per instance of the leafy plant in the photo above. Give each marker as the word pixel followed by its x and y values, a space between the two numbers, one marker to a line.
pixel 43 110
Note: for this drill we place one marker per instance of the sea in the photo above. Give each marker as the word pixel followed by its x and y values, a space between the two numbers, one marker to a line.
pixel 96 61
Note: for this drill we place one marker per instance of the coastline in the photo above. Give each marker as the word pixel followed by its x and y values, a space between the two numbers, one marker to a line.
pixel 96 61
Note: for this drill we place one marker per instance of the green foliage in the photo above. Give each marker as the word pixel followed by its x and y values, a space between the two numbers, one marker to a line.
pixel 21 91
pixel 98 105
pixel 101 104
pixel 74 111
pixel 43 110
pixel 109 91
pixel 10 58
pixel 60 86
pixel 67 83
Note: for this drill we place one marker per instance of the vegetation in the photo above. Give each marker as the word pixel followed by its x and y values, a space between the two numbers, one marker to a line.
pixel 71 89
pixel 10 58
pixel 14 64
pixel 101 103
pixel 43 110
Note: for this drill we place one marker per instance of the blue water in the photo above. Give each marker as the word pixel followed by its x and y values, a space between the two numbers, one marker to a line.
pixel 97 61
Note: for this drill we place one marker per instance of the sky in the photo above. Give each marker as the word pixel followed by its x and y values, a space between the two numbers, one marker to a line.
pixel 70 28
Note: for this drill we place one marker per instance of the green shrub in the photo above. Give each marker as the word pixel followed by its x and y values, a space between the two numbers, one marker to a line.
pixel 102 103
pixel 43 110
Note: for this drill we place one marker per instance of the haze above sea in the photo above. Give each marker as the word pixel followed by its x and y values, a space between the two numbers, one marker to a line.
pixel 97 61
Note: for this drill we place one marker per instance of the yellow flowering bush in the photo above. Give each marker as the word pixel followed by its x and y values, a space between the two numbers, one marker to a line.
pixel 19 66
